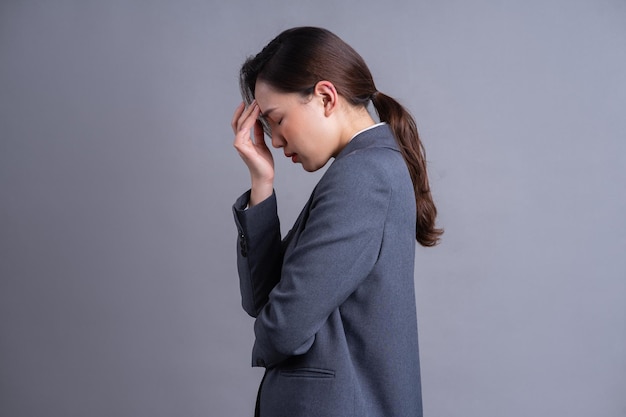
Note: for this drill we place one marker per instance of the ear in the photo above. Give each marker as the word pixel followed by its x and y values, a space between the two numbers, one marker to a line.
pixel 326 93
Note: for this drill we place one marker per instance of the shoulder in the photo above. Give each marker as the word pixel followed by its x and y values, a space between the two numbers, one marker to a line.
pixel 362 178
pixel 375 147
pixel 368 162
pixel 373 159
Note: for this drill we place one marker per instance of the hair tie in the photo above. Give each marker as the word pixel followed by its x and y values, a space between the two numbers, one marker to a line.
pixel 374 95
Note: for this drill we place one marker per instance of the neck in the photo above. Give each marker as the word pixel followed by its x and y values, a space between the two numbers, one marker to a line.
pixel 356 120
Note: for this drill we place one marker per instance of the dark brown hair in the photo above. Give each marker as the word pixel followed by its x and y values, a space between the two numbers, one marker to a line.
pixel 298 58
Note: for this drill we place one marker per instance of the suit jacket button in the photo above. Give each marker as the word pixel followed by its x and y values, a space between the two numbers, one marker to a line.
pixel 260 362
pixel 243 245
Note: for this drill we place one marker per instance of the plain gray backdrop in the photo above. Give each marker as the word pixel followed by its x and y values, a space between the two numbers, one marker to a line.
pixel 119 293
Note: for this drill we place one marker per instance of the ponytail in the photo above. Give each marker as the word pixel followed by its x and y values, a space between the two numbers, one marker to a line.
pixel 405 131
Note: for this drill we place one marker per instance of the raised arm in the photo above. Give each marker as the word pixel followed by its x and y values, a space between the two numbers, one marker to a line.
pixel 259 252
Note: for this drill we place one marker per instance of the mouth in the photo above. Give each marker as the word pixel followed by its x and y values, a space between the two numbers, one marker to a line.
pixel 293 156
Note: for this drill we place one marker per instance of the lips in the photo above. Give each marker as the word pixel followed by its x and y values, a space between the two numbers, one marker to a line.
pixel 293 156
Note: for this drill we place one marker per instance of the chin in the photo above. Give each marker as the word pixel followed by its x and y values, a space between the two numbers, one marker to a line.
pixel 312 168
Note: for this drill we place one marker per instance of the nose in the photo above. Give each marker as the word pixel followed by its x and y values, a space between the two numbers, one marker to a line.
pixel 278 141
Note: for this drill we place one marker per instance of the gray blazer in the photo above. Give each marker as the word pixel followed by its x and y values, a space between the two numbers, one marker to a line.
pixel 334 301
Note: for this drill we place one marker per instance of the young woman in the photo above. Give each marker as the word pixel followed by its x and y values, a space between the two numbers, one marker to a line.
pixel 334 300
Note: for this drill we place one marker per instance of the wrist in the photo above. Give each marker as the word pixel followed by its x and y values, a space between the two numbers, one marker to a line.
pixel 260 191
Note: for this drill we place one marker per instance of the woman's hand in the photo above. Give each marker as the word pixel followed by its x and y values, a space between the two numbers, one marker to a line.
pixel 255 154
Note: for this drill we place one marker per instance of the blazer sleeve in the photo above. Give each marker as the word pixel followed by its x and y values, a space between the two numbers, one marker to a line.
pixel 259 251
pixel 335 252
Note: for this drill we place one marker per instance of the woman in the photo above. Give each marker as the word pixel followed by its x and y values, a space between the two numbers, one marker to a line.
pixel 334 301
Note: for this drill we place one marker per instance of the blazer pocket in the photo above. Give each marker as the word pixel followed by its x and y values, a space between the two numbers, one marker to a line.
pixel 315 373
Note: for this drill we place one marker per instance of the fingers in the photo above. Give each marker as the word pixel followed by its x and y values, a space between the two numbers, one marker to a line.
pixel 233 123
pixel 244 118
pixel 243 122
pixel 254 151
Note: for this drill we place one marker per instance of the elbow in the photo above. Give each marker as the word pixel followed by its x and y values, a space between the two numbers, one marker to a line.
pixel 250 307
pixel 281 341
pixel 293 347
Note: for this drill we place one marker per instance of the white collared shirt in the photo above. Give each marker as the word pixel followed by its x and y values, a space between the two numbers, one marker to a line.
pixel 368 128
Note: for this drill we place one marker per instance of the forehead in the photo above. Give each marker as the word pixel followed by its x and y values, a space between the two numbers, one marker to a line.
pixel 270 98
pixel 262 88
pixel 265 93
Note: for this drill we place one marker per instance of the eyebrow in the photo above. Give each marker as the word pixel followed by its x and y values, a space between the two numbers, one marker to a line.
pixel 268 112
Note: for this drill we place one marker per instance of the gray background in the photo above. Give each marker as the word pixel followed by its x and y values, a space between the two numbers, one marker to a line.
pixel 119 294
